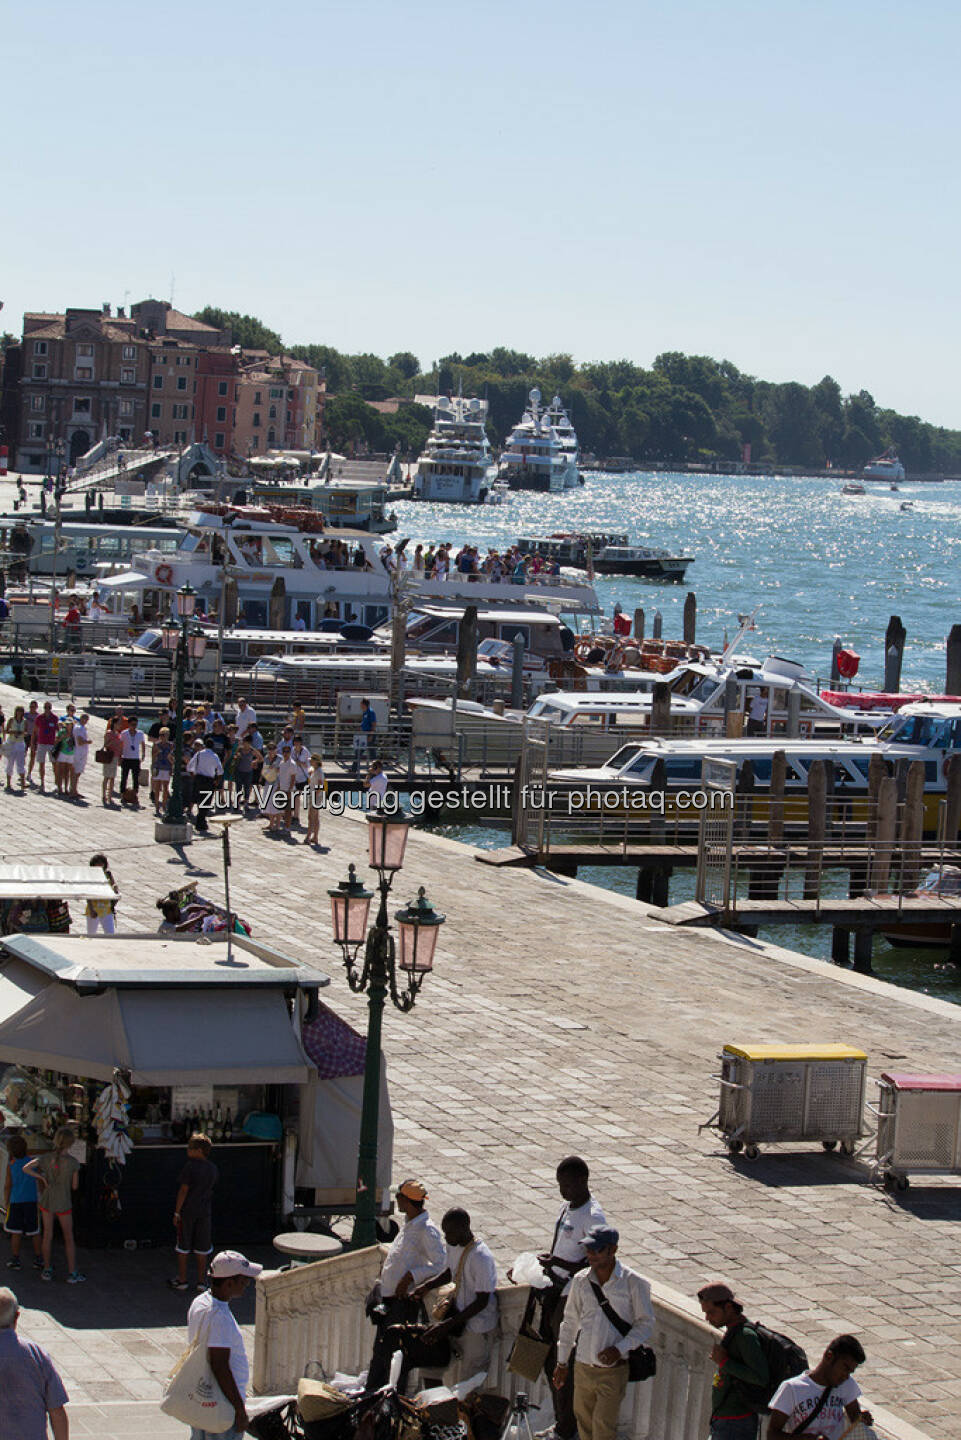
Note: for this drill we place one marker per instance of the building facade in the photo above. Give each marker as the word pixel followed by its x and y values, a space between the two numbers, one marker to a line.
pixel 84 374
pixel 154 374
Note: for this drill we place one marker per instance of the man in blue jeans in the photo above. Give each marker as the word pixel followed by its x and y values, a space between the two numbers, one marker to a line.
pixel 741 1366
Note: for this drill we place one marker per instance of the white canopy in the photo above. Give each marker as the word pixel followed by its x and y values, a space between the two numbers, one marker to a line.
pixel 54 882
pixel 162 1036
pixel 126 580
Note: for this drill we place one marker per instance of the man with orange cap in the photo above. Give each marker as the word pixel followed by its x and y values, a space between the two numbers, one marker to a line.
pixel 417 1254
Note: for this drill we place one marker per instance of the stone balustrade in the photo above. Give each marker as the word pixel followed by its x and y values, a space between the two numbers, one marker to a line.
pixel 316 1312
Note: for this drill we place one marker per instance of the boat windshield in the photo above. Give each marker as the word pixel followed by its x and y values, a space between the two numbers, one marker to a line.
pixel 933 731
pixel 629 759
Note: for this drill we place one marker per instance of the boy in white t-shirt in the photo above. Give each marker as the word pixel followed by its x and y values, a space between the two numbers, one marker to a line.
pixel 211 1320
pixel 800 1402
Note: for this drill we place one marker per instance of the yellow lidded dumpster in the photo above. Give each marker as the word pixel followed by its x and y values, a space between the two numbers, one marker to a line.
pixel 791 1092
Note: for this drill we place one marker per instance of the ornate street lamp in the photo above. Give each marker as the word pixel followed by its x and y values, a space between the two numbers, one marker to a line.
pixel 377 973
pixel 186 644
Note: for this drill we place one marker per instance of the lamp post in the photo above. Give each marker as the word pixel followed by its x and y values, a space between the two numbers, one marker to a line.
pixel 185 645
pixel 385 964
pixel 58 489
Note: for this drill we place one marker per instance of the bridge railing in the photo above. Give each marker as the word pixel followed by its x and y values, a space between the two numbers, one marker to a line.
pixel 316 1313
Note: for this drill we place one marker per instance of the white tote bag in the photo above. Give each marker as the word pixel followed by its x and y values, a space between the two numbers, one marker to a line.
pixel 193 1396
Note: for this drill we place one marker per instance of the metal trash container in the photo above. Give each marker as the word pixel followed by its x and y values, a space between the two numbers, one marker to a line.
pixel 919 1126
pixel 791 1092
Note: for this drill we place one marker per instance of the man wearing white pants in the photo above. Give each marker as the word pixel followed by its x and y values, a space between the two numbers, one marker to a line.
pixel 471 1317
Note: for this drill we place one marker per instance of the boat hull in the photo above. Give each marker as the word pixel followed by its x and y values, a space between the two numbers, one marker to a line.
pixel 654 569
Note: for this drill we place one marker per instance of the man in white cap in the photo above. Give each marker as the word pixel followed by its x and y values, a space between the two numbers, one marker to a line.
pixel 211 1321
pixel 417 1254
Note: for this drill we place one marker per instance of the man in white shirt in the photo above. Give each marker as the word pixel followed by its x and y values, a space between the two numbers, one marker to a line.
pixel 579 1213
pixel 416 1255
pixel 206 773
pixel 600 1370
pixel 132 753
pixel 246 718
pixel 471 1317
pixel 757 714
pixel 211 1320
pixel 822 1402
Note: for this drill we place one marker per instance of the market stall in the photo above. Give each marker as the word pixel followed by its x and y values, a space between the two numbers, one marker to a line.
pixel 37 898
pixel 199 1041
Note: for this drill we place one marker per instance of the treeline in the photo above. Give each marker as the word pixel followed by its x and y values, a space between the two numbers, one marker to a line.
pixel 685 407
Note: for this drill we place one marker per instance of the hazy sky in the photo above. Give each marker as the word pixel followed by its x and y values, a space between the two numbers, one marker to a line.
pixel 771 183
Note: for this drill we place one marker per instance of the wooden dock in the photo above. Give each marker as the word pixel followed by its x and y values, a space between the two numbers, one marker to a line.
pixel 861 912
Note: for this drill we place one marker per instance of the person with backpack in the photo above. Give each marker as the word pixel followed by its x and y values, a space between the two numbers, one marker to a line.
pixel 821 1403
pixel 742 1381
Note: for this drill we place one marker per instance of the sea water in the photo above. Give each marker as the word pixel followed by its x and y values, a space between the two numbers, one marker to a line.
pixel 814 563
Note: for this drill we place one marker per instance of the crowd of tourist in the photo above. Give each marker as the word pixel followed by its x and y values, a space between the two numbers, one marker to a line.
pixel 439 562
pixel 226 762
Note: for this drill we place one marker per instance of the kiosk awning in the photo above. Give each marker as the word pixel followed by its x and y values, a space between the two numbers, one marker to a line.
pixel 54 882
pixel 161 1036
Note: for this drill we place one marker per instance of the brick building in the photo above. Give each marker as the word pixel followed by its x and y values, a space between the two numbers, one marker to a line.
pixel 85 374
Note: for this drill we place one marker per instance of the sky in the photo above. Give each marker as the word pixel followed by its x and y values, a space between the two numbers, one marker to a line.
pixel 773 183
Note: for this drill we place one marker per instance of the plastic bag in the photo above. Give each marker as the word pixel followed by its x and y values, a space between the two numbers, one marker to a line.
pixel 528 1270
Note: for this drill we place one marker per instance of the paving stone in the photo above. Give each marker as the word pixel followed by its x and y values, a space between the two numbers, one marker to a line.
pixel 561 1018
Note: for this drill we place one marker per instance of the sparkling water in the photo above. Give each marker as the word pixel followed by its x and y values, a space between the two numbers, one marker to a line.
pixel 815 562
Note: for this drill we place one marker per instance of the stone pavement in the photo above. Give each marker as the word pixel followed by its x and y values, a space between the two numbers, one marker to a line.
pixel 562 1018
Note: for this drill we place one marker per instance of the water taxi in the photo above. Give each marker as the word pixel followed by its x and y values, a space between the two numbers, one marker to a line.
pixel 927 732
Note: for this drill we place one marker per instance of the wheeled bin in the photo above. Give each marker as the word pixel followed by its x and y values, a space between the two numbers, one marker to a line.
pixel 791 1092
pixel 919 1126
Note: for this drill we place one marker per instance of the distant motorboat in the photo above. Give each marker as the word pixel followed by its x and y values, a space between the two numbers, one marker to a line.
pixel 853 487
pixel 906 505
pixel 885 467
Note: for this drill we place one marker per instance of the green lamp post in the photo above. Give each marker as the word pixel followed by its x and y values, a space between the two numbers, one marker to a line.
pixel 397 968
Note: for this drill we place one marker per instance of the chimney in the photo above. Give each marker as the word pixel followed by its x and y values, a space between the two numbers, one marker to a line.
pixel 120 312
pixel 105 308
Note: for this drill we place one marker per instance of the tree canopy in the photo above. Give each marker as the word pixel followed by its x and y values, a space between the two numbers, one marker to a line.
pixel 684 407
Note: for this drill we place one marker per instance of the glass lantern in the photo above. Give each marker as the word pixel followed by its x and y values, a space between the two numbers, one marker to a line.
pixel 386 841
pixel 418 925
pixel 186 600
pixel 349 909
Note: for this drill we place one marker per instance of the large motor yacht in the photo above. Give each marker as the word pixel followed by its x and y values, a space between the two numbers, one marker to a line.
pixel 534 457
pixel 457 465
pixel 563 428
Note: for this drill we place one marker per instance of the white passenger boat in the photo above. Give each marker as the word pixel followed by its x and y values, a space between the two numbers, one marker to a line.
pixel 285 573
pixel 885 467
pixel 534 457
pixel 456 466
pixel 930 732
pixel 587 725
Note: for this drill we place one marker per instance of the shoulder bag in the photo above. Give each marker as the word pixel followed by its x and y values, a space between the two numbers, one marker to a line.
pixel 191 1393
pixel 529 1352
pixel 641 1361
pixel 813 1414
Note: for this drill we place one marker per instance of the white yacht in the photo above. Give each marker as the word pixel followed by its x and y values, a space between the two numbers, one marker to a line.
pixel 457 465
pixel 885 467
pixel 534 458
pixel 567 436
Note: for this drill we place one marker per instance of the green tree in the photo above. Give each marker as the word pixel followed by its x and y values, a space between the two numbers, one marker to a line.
pixel 349 422
pixel 335 366
pixel 247 330
pixel 406 362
